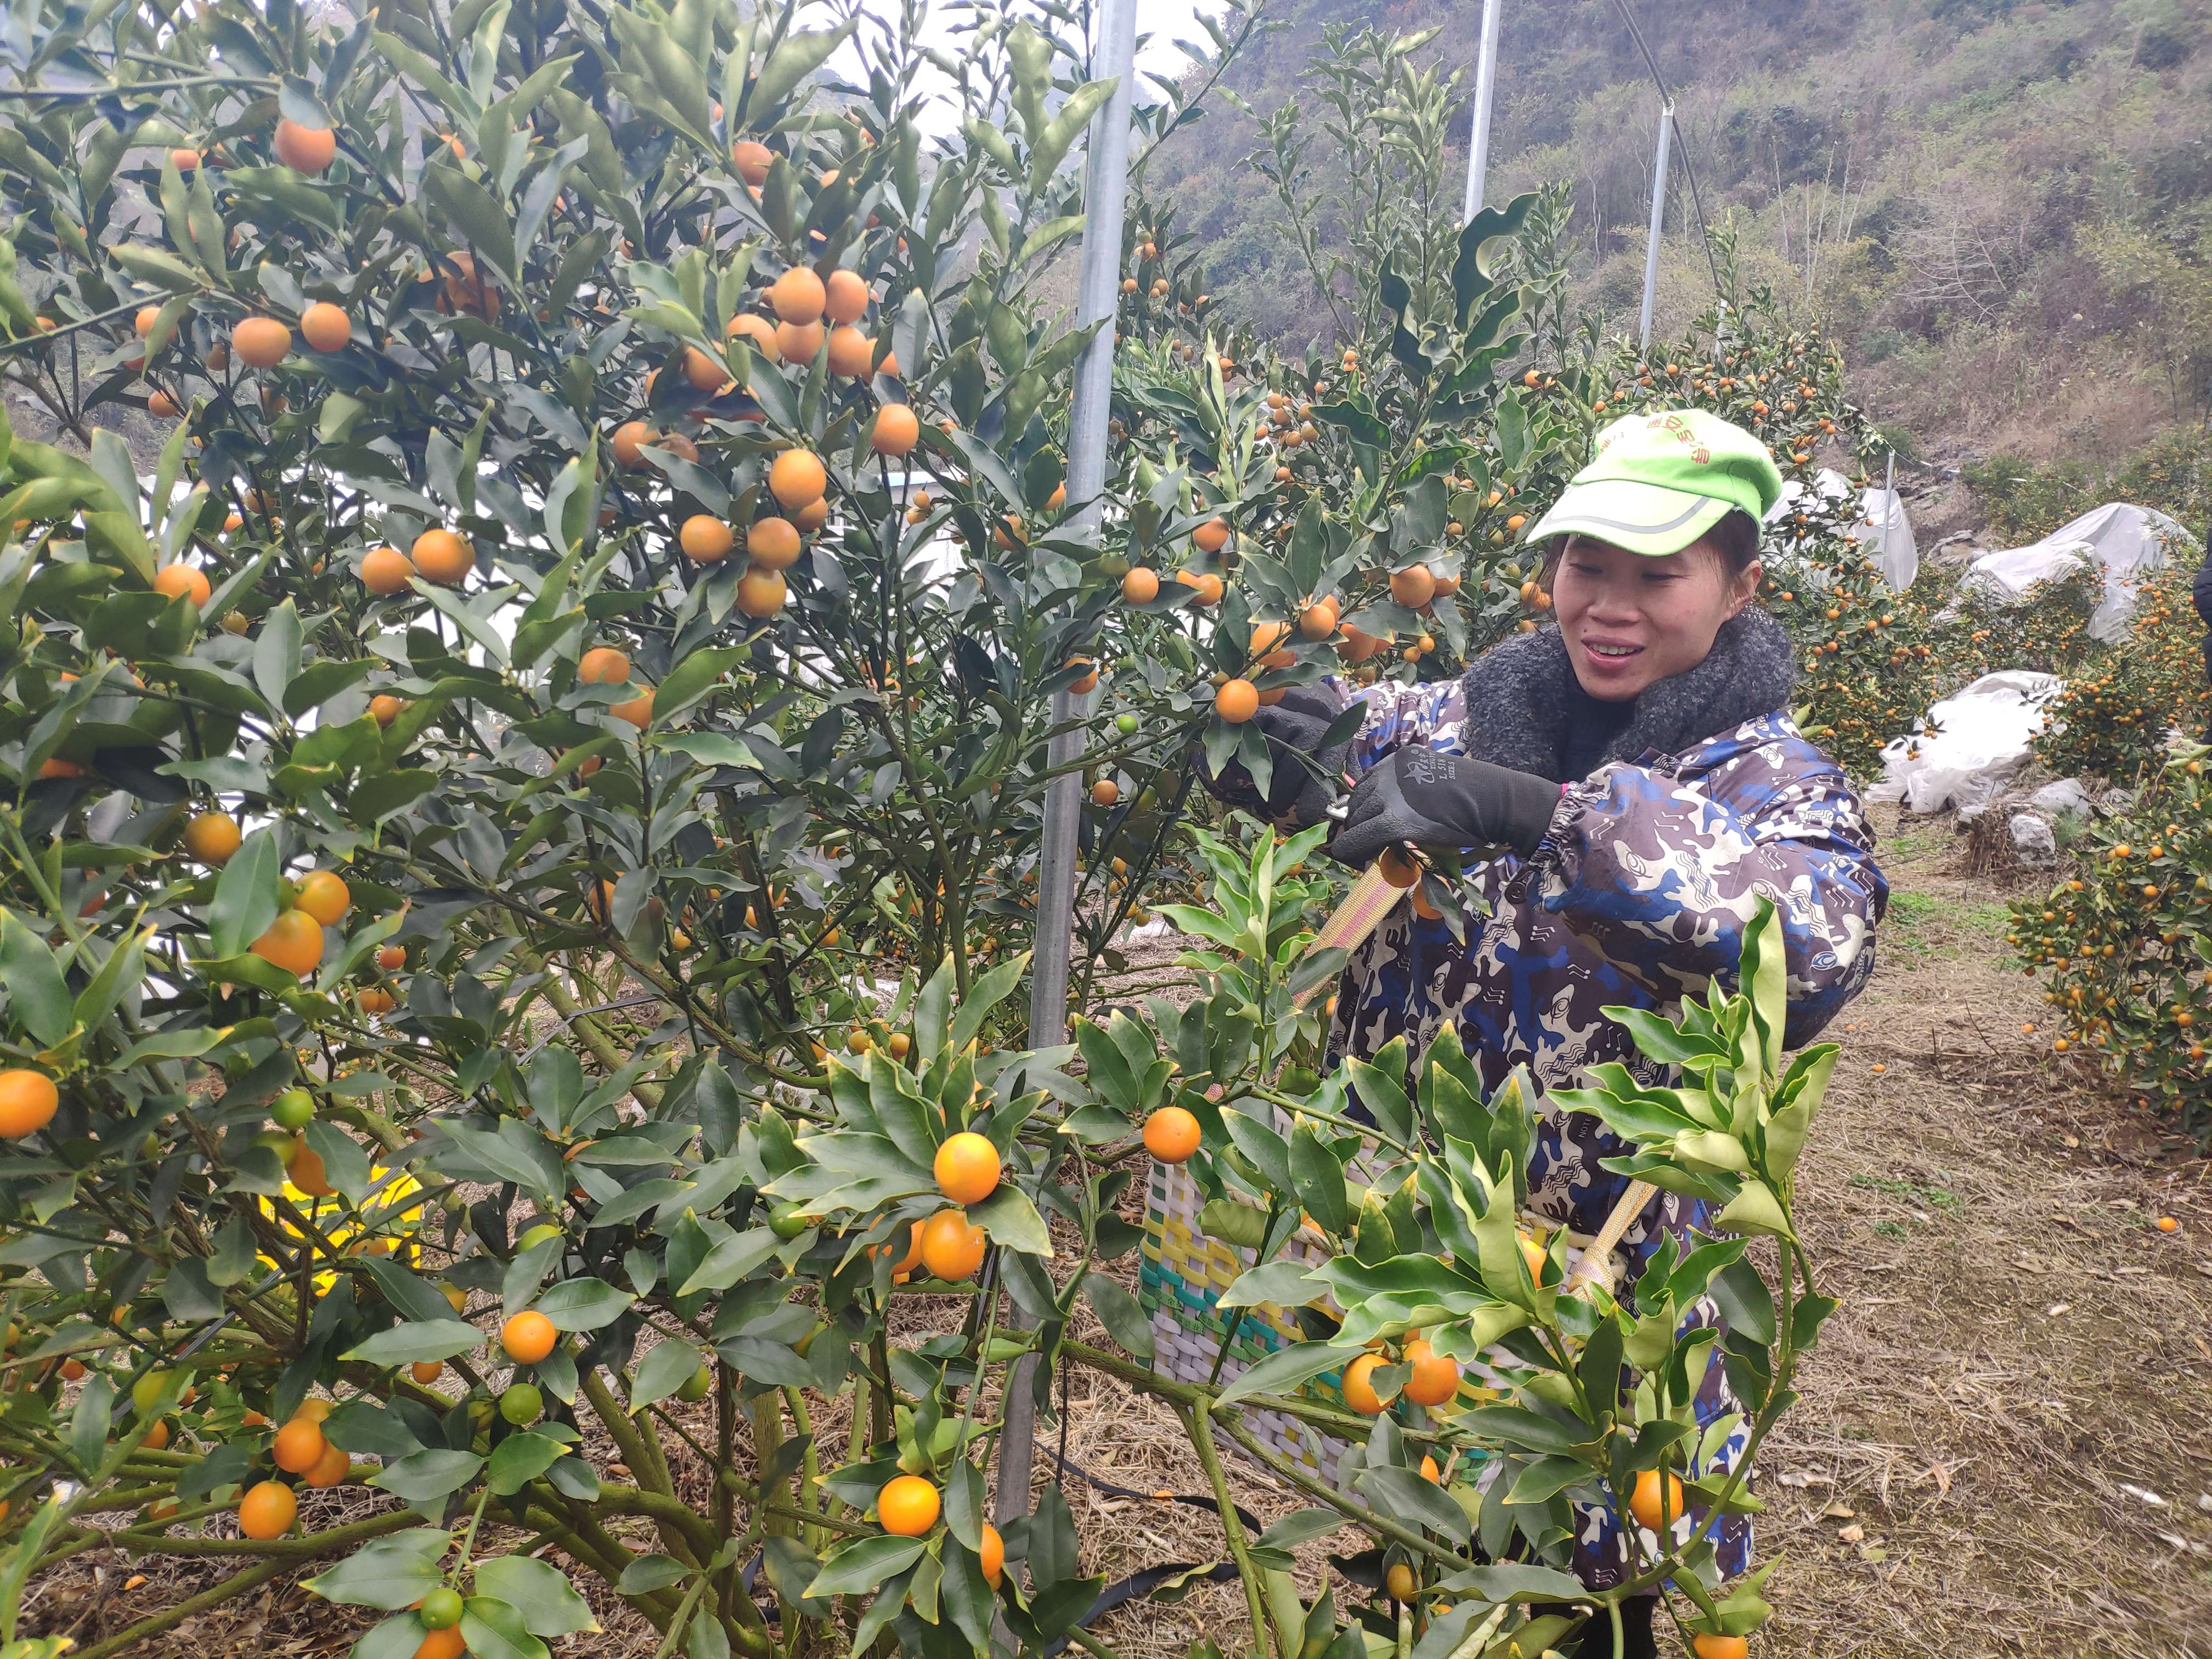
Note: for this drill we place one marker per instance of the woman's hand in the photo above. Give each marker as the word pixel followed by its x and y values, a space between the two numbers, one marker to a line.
pixel 1293 727
pixel 1431 799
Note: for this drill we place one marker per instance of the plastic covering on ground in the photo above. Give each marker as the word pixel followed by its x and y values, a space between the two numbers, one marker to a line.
pixel 1881 524
pixel 2127 541
pixel 1969 747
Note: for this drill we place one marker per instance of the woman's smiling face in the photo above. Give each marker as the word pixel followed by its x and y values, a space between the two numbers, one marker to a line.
pixel 1631 619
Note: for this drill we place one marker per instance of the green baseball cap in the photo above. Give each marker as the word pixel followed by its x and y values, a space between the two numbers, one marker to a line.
pixel 1659 481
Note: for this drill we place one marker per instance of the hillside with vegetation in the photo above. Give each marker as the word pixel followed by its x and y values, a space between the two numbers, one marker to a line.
pixel 2005 210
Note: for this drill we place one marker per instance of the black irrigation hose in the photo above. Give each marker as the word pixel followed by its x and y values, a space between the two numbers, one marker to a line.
pixel 1143 1582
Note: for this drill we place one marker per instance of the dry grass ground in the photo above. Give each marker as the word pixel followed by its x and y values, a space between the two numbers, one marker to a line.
pixel 2004 1447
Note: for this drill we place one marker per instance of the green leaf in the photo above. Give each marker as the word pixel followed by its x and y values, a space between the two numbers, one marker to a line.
pixel 730 1260
pixel 496 1630
pixel 983 996
pixel 1405 1496
pixel 157 267
pixel 1277 1284
pixel 387 1573
pixel 473 211
pixel 1545 1478
pixel 318 681
pixel 1745 1302
pixel 694 678
pixel 427 1474
pixel 1319 1177
pixel 933 1014
pixel 1765 979
pixel 665 1368
pixel 795 58
pixel 651 1572
pixel 1048 148
pixel 1282 1370
pixel 245 900
pixel 1051 234
pixel 380 795
pixel 859 1567
pixel 584 1304
pixel 276 653
pixel 1011 1219
pixel 125 963
pixel 1383 1094
pixel 1797 1099
pixel 1517 1582
pixel 1121 1313
pixel 549 1602
pixel 416 1340
pixel 37 995
pixel 1755 1209
pixel 520 1459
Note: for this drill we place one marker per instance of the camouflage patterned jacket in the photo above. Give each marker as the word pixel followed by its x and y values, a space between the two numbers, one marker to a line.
pixel 1636 895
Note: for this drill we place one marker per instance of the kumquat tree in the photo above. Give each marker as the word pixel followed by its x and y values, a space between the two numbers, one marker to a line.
pixel 518 859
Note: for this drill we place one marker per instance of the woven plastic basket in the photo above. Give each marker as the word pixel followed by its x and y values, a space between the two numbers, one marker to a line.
pixel 1182 1276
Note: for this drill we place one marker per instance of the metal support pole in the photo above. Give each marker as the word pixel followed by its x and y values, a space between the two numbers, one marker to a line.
pixel 1658 223
pixel 1485 86
pixel 1105 182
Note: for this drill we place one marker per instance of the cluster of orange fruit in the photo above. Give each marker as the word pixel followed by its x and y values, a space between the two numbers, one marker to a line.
pixel 320 899
pixel 260 342
pixel 2123 945
pixel 2111 717
pixel 293 941
pixel 267 1508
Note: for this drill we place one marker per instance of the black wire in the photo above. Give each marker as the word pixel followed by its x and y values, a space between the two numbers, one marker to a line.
pixel 1667 108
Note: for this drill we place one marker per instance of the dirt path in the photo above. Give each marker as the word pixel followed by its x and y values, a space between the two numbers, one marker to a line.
pixel 2013 1403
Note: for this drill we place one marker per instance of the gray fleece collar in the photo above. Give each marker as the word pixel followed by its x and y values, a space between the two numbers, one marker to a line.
pixel 1517 700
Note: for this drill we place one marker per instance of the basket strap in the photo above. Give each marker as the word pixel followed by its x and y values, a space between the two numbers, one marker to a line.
pixel 1596 1263
pixel 1370 900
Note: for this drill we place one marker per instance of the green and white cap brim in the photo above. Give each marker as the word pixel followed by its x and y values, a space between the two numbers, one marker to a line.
pixel 1642 518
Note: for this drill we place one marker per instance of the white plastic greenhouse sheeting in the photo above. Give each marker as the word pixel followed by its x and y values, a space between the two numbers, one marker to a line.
pixel 2127 540
pixel 1881 521
pixel 1979 744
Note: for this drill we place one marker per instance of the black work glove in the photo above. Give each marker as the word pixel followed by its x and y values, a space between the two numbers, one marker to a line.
pixel 1443 800
pixel 1293 727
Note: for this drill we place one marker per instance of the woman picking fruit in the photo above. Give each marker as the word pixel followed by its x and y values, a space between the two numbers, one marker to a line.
pixel 1623 787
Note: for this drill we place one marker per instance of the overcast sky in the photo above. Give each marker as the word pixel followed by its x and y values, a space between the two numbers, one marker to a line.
pixel 1164 21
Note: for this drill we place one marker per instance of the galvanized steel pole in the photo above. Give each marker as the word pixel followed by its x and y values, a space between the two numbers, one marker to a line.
pixel 1658 223
pixel 1485 86
pixel 1105 181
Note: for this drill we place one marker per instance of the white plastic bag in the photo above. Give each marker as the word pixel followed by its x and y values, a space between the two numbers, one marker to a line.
pixel 1881 523
pixel 2129 542
pixel 1969 747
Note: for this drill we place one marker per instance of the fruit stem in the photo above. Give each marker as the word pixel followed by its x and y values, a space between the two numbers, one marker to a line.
pixel 1336 1500
pixel 684 1611
pixel 1199 1426
pixel 640 1458
pixel 469 1538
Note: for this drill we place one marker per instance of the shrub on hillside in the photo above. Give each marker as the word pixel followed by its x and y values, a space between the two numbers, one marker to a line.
pixel 2020 502
pixel 2114 717
pixel 2125 942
